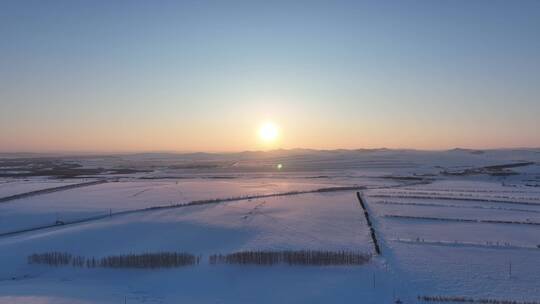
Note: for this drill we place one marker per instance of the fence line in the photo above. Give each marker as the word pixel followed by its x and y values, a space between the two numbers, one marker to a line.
pixel 50 190
pixel 370 225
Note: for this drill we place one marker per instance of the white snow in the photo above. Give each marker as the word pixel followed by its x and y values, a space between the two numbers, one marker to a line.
pixel 419 256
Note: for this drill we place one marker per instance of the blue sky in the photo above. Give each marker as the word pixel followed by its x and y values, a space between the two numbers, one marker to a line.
pixel 203 75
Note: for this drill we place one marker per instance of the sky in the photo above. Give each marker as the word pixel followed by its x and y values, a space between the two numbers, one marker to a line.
pixel 122 76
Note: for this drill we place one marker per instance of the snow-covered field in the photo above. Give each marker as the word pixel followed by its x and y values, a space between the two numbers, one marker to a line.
pixel 329 221
pixel 450 234
pixel 441 255
pixel 117 196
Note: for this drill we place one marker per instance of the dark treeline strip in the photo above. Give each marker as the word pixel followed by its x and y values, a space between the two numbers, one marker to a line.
pixel 513 165
pixel 456 198
pixel 459 299
pixel 258 196
pixel 487 244
pixel 472 195
pixel 461 190
pixel 59 224
pixel 179 259
pixel 445 219
pixel 368 220
pixel 149 260
pixel 289 257
pixel 51 258
pixel 427 218
pixel 455 206
pixel 145 260
pixel 50 190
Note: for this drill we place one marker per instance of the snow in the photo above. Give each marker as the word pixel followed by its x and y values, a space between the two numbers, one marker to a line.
pixel 419 256
pixel 330 221
pixel 462 258
pixel 125 195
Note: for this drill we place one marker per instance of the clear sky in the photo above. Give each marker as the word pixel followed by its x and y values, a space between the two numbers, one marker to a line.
pixel 205 75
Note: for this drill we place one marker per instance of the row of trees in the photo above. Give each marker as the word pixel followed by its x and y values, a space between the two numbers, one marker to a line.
pixel 149 260
pixel 51 258
pixel 459 299
pixel 179 259
pixel 412 217
pixel 302 257
pixel 370 225
pixel 254 196
pixel 50 190
pixel 145 260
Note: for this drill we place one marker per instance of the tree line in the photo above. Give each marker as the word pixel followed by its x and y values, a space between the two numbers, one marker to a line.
pixel 370 225
pixel 145 260
pixel 290 257
pixel 179 259
pixel 460 299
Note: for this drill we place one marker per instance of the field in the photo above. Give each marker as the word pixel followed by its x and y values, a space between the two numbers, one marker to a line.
pixel 451 224
pixel 481 241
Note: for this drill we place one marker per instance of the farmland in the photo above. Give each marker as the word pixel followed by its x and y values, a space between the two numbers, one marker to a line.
pixel 251 232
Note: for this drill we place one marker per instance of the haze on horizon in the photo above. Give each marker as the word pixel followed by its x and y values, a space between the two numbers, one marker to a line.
pixel 208 75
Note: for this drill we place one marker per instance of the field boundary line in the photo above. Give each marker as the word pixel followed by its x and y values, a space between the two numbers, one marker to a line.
pixel 368 220
pixel 9 198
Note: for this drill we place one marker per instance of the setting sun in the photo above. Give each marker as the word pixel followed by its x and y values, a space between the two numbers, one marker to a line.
pixel 268 132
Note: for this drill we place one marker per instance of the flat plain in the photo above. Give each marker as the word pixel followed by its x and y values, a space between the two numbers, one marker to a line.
pixel 451 224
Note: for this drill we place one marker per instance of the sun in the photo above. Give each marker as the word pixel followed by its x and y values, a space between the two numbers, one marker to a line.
pixel 268 132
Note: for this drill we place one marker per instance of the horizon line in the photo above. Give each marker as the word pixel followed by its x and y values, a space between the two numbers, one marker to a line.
pixel 180 152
